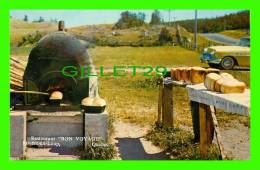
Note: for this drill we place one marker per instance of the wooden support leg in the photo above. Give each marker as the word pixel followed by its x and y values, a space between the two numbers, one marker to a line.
pixel 206 128
pixel 203 130
pixel 195 120
pixel 217 132
pixel 167 110
pixel 160 100
pixel 210 126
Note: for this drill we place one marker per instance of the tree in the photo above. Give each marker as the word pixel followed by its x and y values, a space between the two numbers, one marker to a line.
pixel 129 19
pixel 25 18
pixel 239 20
pixel 165 36
pixel 141 16
pixel 155 18
pixel 41 19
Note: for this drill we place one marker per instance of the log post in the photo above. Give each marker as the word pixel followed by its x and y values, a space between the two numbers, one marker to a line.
pixel 160 96
pixel 167 106
pixel 61 26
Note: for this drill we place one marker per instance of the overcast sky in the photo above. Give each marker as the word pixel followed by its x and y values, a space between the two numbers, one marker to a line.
pixel 88 17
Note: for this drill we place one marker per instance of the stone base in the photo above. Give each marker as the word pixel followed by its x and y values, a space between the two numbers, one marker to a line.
pixel 62 129
pixel 96 126
pixel 17 134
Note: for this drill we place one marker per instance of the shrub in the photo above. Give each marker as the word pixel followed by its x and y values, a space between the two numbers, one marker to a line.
pixel 98 151
pixel 165 37
pixel 30 39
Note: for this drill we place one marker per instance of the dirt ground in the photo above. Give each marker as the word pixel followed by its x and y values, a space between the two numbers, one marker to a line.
pixel 131 145
pixel 236 141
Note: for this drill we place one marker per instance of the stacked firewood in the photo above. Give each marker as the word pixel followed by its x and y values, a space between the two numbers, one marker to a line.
pixel 17 68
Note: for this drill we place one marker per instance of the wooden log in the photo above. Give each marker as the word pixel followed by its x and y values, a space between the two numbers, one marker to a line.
pixel 203 130
pixel 167 106
pixel 15 59
pixel 17 68
pixel 160 96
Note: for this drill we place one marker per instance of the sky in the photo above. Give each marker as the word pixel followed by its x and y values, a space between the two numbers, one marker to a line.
pixel 74 18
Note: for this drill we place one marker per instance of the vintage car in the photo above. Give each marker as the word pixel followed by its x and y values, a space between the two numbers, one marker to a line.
pixel 226 57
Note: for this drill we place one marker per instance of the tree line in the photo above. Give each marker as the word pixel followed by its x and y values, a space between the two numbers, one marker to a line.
pixel 239 20
pixel 130 19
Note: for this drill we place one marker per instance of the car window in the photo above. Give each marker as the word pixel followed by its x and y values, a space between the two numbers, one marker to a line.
pixel 244 42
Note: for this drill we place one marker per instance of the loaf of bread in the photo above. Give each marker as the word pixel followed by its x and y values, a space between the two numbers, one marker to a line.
pixel 56 95
pixel 178 74
pixel 185 73
pixel 173 73
pixel 218 84
pixel 226 75
pixel 212 70
pixel 197 75
pixel 96 101
pixel 88 101
pixel 210 80
pixel 232 86
pixel 99 102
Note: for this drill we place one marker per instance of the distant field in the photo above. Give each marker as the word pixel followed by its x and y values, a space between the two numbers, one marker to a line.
pixel 19 28
pixel 154 56
pixel 235 33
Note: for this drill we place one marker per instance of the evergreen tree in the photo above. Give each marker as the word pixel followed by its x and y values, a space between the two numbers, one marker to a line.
pixel 156 18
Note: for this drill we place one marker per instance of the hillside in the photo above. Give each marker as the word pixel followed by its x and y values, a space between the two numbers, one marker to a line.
pixel 240 20
pixel 19 28
pixel 136 36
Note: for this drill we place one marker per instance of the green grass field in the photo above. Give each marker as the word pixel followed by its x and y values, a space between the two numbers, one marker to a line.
pixel 154 56
pixel 235 33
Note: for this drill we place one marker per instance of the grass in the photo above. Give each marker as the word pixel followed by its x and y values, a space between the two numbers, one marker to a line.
pixel 19 28
pixel 178 143
pixel 235 33
pixel 153 56
pixel 128 100
pixel 105 35
pixel 135 99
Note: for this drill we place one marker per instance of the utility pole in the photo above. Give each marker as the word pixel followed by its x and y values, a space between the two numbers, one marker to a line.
pixel 169 15
pixel 195 30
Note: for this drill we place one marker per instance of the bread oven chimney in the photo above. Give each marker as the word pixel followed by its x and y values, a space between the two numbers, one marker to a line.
pixel 61 26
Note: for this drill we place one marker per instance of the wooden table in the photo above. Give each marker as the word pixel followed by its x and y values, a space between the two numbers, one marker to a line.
pixel 203 105
pixel 233 102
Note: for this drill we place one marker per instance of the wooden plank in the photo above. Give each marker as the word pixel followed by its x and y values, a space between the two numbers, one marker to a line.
pixel 203 130
pixel 168 80
pixel 14 71
pixel 29 92
pixel 210 126
pixel 233 102
pixel 17 68
pixel 167 106
pixel 217 132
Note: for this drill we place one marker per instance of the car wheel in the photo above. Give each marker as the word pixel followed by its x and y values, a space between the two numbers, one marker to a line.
pixel 227 63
